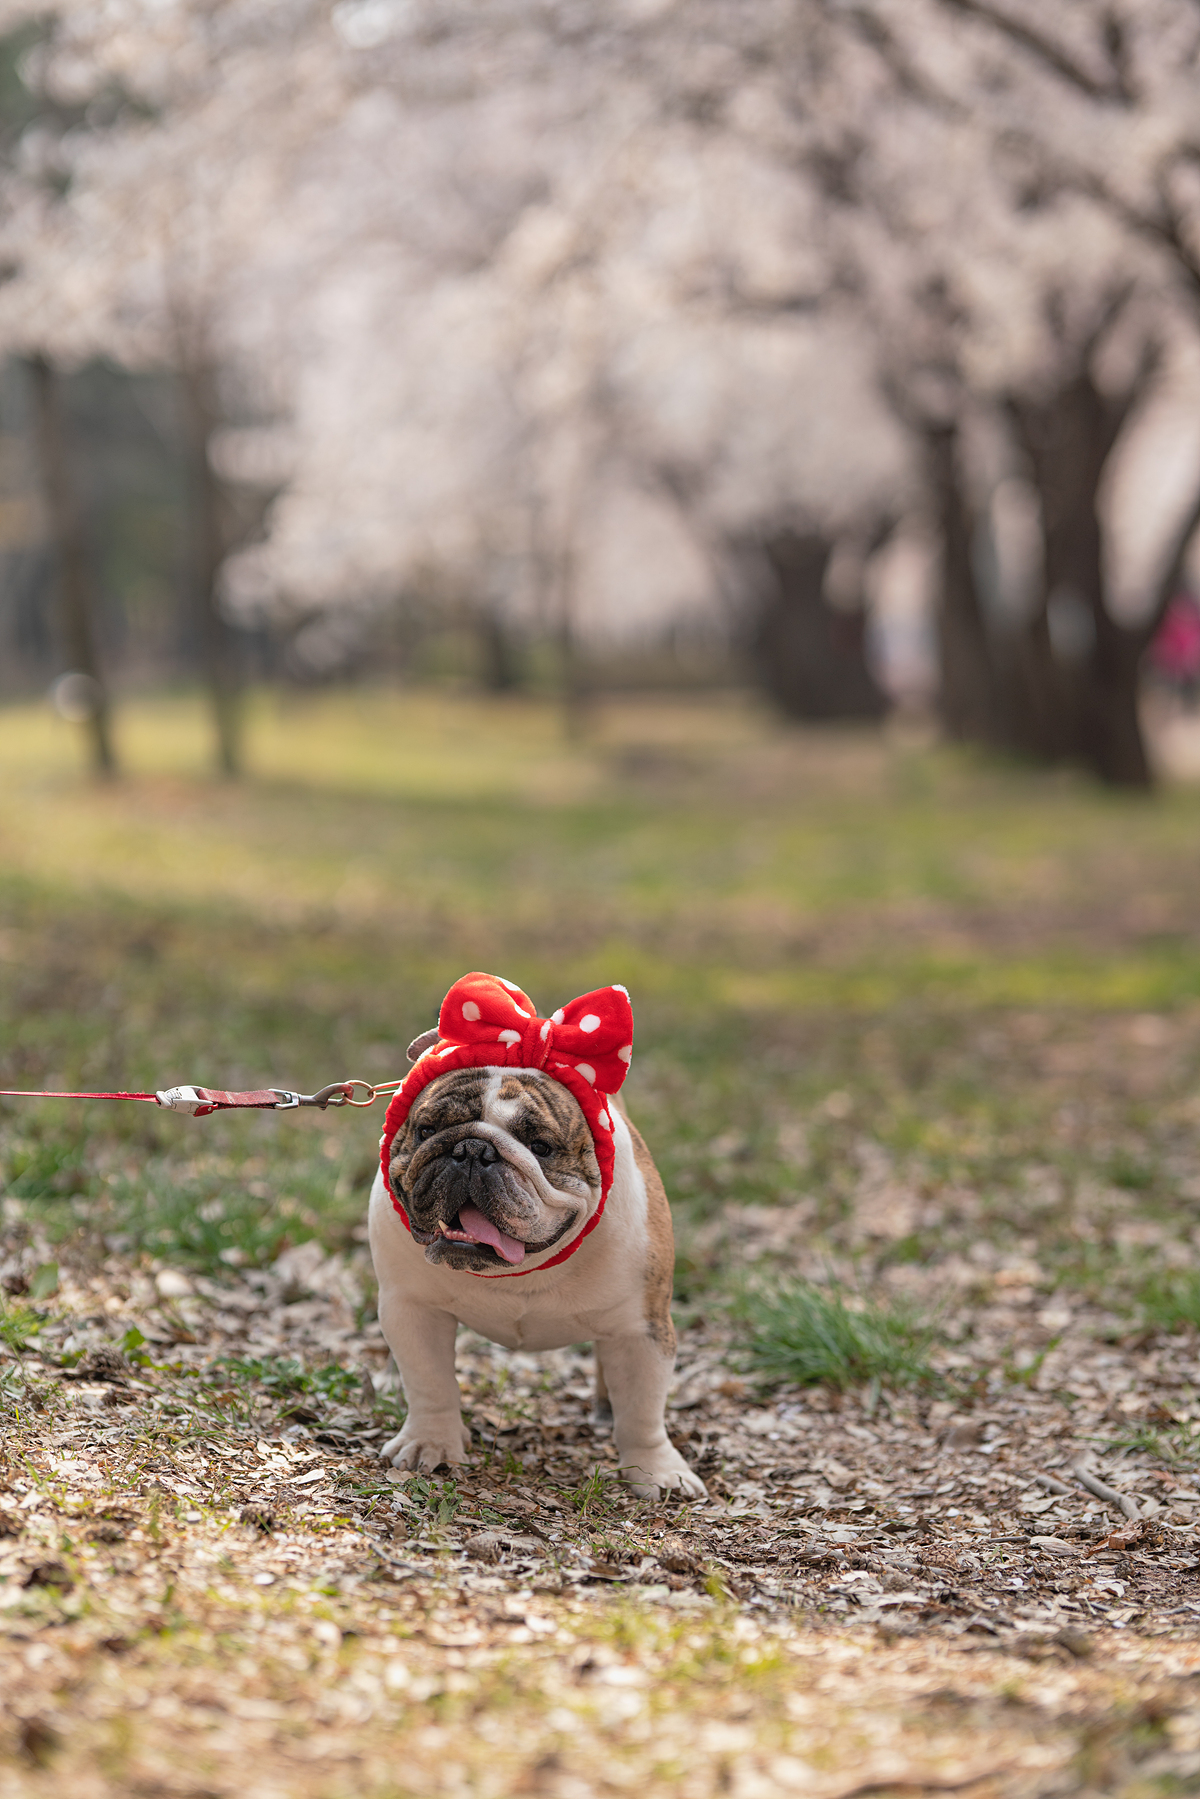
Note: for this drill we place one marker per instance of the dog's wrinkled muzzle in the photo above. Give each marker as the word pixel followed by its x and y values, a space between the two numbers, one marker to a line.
pixel 469 1192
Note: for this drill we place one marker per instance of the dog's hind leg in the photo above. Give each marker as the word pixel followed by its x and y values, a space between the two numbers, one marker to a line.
pixel 602 1412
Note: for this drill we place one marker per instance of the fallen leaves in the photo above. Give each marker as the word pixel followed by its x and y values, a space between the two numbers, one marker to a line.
pixel 1143 1533
pixel 237 1499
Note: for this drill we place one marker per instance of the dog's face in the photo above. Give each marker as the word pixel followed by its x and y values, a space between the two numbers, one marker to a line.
pixel 493 1165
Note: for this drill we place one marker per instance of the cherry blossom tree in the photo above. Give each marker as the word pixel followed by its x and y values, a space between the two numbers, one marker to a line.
pixel 1058 296
pixel 574 315
pixel 570 348
pixel 139 213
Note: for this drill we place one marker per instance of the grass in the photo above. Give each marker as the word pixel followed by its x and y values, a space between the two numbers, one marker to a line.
pixel 284 1377
pixel 897 1009
pixel 18 1323
pixel 808 1335
pixel 833 940
pixel 1177 1445
pixel 1171 1302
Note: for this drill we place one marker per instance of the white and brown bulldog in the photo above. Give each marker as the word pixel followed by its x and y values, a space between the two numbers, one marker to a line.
pixel 516 1198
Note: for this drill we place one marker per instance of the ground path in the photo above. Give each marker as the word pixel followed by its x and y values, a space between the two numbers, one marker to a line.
pixel 210 1585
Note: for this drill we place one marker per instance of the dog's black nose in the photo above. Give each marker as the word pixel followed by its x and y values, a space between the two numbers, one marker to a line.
pixel 478 1148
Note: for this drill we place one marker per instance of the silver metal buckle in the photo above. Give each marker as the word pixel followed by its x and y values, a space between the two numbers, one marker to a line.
pixel 287 1099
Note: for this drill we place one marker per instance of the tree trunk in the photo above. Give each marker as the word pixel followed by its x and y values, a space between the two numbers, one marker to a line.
pixel 1081 691
pixel 76 587
pixel 968 698
pixel 812 658
pixel 1110 727
pixel 576 690
pixel 218 645
pixel 500 662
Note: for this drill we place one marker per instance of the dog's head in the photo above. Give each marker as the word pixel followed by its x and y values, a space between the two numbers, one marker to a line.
pixel 493 1165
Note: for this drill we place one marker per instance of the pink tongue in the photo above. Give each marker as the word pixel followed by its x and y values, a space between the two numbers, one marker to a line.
pixel 473 1224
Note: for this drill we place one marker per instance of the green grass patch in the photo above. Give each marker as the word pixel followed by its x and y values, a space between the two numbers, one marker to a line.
pixel 18 1323
pixel 1170 1302
pixel 225 1210
pixel 1176 1444
pixel 286 1378
pixel 817 930
pixel 812 1335
pixel 1136 1174
pixel 438 1500
pixel 47 1169
pixel 12 1393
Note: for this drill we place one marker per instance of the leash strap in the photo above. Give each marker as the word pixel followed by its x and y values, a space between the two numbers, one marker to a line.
pixel 20 1093
pixel 200 1101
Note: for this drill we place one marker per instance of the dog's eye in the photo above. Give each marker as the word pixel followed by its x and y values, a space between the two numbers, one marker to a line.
pixel 425 1130
pixel 541 1148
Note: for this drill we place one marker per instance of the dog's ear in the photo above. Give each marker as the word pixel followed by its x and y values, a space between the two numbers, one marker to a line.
pixel 420 1044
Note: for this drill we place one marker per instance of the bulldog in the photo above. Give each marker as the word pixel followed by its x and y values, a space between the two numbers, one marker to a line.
pixel 515 1196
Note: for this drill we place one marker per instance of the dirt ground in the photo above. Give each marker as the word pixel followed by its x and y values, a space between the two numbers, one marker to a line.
pixel 212 1586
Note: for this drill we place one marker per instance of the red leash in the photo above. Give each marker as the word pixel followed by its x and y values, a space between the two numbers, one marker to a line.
pixel 200 1101
pixel 17 1093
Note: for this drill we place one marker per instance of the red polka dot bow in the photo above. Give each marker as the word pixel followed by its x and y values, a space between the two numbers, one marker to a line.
pixel 488 1022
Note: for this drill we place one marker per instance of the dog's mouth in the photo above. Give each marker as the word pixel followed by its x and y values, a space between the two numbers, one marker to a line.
pixel 471 1226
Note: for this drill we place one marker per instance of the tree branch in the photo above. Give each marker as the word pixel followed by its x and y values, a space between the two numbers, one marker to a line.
pixel 1052 55
pixel 1164 228
pixel 880 38
pixel 1120 55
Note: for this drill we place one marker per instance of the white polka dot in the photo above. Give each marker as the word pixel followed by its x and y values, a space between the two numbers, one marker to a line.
pixel 511 985
pixel 509 1037
pixel 606 1121
pixel 448 1051
pixel 557 1016
pixel 617 988
pixel 470 1011
pixel 587 1071
pixel 545 1031
pixel 625 1054
pixel 590 1022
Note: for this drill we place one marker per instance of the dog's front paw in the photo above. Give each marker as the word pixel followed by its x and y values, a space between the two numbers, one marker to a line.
pixel 426 1445
pixel 661 1469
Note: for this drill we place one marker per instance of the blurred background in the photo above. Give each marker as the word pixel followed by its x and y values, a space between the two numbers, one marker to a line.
pixel 701 495
pixel 843 353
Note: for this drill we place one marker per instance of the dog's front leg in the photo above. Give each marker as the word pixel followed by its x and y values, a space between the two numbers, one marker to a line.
pixel 422 1340
pixel 637 1373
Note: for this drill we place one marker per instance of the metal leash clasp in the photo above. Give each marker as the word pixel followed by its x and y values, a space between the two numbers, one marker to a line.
pixel 338 1093
pixel 341 1093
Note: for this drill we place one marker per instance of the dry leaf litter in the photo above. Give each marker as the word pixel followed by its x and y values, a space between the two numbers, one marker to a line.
pixel 207 1588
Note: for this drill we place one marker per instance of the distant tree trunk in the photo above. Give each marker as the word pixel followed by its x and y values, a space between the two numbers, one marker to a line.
pixel 1111 726
pixel 76 586
pixel 1061 684
pixel 218 645
pixel 1081 691
pixel 968 699
pixel 811 658
pixel 500 670
pixel 575 688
